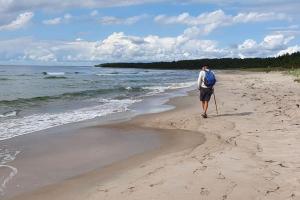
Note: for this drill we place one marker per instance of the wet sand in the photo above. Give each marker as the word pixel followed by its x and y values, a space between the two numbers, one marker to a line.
pixel 52 156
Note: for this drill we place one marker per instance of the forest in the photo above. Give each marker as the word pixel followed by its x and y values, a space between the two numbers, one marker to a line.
pixel 287 61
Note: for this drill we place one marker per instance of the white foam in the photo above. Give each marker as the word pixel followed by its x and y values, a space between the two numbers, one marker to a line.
pixel 107 74
pixel 10 128
pixel 9 114
pixel 161 89
pixel 6 157
pixel 55 73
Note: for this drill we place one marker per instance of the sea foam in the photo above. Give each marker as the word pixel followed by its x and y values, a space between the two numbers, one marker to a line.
pixel 13 127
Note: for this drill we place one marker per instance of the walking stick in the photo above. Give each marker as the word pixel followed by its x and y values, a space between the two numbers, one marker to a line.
pixel 215 102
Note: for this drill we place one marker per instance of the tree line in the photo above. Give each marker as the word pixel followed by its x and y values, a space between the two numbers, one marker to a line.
pixel 287 61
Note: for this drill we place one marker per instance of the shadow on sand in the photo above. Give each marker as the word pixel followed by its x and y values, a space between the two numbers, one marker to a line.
pixel 233 114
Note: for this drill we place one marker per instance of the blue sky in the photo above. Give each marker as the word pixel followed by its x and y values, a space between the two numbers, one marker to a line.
pixel 76 32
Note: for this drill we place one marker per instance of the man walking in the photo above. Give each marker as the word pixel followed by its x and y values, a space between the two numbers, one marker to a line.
pixel 206 82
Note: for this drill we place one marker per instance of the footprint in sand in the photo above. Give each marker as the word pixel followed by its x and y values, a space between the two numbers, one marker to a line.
pixel 259 148
pixel 204 191
pixel 221 176
pixel 202 168
pixel 155 184
pixel 129 190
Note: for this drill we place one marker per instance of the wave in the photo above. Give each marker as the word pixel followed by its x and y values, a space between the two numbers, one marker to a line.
pixel 55 77
pixel 117 74
pixel 4 79
pixel 54 73
pixel 13 113
pixel 67 96
pixel 25 75
pixel 13 127
pixel 160 89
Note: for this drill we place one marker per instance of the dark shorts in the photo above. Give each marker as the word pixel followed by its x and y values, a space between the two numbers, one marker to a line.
pixel 205 94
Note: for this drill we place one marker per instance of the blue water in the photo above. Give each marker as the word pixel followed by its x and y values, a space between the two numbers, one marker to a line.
pixel 34 98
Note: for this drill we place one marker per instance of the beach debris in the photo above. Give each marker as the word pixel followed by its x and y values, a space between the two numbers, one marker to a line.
pixel 103 190
pixel 298 105
pixel 273 190
pixel 269 178
pixel 282 165
pixel 270 161
pixel 275 172
pixel 131 189
pixel 155 184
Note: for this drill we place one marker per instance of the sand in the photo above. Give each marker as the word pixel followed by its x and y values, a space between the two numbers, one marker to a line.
pixel 251 149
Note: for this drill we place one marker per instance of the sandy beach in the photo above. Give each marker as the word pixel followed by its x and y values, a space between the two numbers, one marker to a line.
pixel 249 151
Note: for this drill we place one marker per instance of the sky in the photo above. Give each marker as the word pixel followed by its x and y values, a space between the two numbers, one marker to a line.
pixel 88 32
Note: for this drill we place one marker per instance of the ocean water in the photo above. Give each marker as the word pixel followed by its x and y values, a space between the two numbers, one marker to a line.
pixel 34 98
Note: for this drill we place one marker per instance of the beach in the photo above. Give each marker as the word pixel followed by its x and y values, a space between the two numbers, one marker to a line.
pixel 249 151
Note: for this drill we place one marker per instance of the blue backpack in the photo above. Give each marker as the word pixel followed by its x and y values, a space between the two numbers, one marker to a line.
pixel 209 79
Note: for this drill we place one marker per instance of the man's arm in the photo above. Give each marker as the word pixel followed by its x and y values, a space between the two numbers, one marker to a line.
pixel 199 80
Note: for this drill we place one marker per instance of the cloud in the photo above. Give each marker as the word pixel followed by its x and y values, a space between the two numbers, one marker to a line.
pixel 21 5
pixel 53 21
pixel 259 17
pixel 289 50
pixel 94 13
pixel 272 45
pixel 115 48
pixel 22 20
pixel 110 20
pixel 58 20
pixel 210 21
pixel 275 42
pixel 120 47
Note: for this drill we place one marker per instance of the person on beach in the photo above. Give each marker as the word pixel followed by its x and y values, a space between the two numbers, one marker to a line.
pixel 206 82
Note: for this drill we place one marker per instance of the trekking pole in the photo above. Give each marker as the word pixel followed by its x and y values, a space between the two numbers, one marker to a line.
pixel 215 102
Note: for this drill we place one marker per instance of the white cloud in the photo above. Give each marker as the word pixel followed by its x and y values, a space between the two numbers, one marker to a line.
pixel 276 41
pixel 39 54
pixel 210 21
pixel 58 20
pixel 248 44
pixel 21 5
pixel 272 45
pixel 94 13
pixel 110 20
pixel 259 17
pixel 116 47
pixel 53 21
pixel 289 50
pixel 67 16
pixel 119 47
pixel 22 20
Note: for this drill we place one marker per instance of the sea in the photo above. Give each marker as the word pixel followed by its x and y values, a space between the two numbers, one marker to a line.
pixel 35 98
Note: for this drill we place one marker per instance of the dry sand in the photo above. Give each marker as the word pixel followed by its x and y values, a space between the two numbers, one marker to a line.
pixel 252 149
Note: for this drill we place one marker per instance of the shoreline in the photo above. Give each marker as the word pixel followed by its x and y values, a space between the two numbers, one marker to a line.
pixel 160 141
pixel 250 151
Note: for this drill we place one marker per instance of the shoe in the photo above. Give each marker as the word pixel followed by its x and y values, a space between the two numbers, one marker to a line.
pixel 204 115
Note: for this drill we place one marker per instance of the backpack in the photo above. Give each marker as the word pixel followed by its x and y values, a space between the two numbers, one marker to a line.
pixel 209 79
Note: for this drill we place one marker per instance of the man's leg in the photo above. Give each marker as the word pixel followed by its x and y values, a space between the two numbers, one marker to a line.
pixel 205 106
